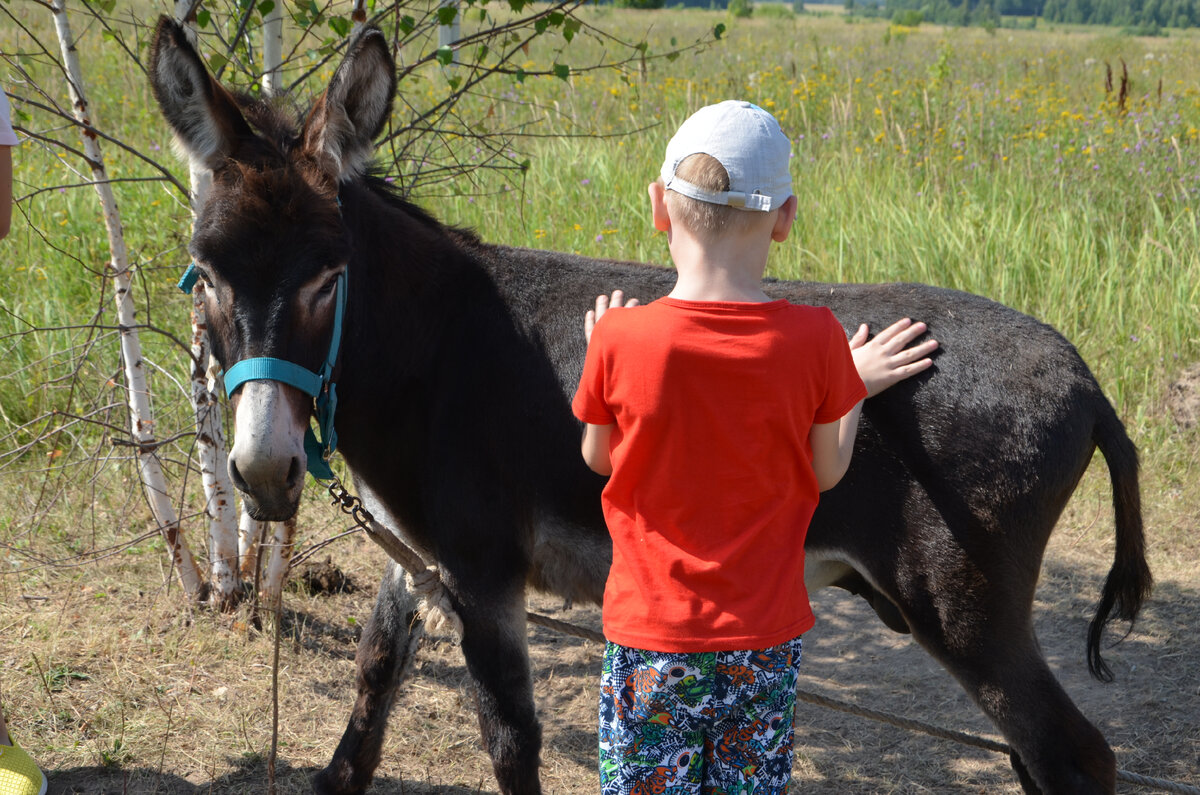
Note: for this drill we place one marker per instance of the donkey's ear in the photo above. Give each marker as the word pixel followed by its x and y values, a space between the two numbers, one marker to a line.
pixel 341 128
pixel 204 115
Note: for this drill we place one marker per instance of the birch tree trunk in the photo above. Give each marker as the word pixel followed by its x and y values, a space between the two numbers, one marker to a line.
pixel 141 415
pixel 448 34
pixel 219 495
pixel 358 15
pixel 272 80
pixel 282 547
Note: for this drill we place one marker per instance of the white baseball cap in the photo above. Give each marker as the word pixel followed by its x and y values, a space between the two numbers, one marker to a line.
pixel 748 142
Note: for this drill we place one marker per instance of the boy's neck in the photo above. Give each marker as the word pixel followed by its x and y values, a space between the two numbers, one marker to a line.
pixel 729 269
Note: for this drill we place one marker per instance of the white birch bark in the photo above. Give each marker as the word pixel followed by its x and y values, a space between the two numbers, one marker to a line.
pixel 141 416
pixel 281 548
pixel 448 34
pixel 219 495
pixel 358 15
pixel 272 79
pixel 249 533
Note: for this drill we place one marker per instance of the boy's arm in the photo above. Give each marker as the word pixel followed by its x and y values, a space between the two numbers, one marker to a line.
pixel 832 445
pixel 881 362
pixel 596 437
pixel 595 448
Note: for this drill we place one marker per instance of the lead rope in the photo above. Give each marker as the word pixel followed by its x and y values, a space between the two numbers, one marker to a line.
pixel 436 608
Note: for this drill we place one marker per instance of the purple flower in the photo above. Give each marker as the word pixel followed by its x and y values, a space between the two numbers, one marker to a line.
pixel 585 181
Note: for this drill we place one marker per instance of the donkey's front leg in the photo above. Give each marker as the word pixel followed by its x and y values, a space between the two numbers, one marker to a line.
pixel 385 653
pixel 497 655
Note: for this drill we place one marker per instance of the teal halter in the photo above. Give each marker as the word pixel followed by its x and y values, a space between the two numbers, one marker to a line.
pixel 318 386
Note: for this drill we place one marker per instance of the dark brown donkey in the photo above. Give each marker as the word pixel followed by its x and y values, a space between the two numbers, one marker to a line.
pixel 456 365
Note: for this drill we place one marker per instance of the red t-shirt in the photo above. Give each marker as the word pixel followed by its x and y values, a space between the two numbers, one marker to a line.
pixel 712 487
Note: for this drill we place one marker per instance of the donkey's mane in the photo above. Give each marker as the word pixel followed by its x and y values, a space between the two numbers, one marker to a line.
pixel 375 181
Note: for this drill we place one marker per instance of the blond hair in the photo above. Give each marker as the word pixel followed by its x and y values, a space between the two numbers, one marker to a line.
pixel 703 219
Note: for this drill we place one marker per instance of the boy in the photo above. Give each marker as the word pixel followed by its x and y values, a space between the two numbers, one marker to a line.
pixel 719 414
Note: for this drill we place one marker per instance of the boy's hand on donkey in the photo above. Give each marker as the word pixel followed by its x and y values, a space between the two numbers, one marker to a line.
pixel 885 359
pixel 603 304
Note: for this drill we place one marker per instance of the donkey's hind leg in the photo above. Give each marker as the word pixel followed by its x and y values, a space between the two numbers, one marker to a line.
pixel 385 654
pixel 1056 750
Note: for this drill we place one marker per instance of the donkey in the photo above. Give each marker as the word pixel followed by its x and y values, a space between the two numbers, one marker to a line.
pixel 456 365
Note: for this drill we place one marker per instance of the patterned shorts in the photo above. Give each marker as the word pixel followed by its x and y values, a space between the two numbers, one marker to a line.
pixel 716 723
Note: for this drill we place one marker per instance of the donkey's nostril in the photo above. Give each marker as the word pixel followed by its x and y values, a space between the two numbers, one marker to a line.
pixel 235 475
pixel 295 472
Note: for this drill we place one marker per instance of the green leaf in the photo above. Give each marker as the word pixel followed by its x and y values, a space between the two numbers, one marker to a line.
pixel 671 56
pixel 539 25
pixel 555 18
pixel 445 55
pixel 454 82
pixel 481 53
pixel 266 7
pixel 719 30
pixel 571 26
pixel 516 5
pixel 562 71
pixel 447 14
pixel 340 25
pixel 525 164
pixel 216 62
pixel 407 24
pixel 202 18
pixel 520 75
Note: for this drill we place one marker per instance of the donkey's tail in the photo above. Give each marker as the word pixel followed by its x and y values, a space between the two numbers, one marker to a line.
pixel 1129 579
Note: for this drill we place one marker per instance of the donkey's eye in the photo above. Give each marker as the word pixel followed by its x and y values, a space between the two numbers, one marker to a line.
pixel 328 287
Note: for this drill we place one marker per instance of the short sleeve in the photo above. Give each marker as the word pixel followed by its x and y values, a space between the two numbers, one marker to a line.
pixel 590 404
pixel 843 387
pixel 7 136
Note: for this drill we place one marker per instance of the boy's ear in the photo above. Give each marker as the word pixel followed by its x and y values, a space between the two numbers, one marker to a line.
pixel 658 206
pixel 785 219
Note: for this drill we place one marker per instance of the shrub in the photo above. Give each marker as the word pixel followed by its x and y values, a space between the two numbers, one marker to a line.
pixel 740 8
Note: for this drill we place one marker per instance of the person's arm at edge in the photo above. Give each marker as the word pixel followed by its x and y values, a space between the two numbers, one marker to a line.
pixel 6 169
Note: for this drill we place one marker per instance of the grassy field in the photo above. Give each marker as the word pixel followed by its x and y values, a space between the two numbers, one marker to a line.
pixel 1012 165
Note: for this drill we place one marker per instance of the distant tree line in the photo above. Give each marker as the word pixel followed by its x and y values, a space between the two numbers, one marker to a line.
pixel 1140 16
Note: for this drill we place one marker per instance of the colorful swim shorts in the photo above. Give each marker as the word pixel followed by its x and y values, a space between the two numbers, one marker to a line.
pixel 700 722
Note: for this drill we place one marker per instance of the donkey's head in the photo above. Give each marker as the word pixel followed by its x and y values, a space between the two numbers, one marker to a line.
pixel 269 243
